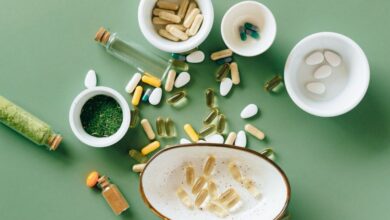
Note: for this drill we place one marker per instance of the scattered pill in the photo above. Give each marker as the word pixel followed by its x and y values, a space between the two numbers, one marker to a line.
pixel 167 5
pixel 195 57
pixel 323 72
pixel 224 60
pixel 235 74
pixel 146 95
pixel 233 202
pixel 159 21
pixel 235 171
pixel 214 138
pixel 231 138
pixel 177 33
pixel 160 125
pixel 90 79
pixel 225 86
pixel 191 132
pixel 137 95
pixel 227 196
pixel 150 148
pixel 170 80
pixel 151 80
pixel 199 184
pixel 210 98
pixel 157 11
pixel 191 17
pixel 222 72
pixel 254 131
pixel 195 25
pixel 167 35
pixel 240 139
pixel 136 155
pixel 133 82
pixel 184 198
pixel 268 152
pixel 274 84
pixel 180 27
pixel 252 33
pixel 316 88
pixel 184 141
pixel 251 187
pixel 179 65
pixel 221 54
pixel 175 98
pixel 182 79
pixel 251 26
pixel 208 129
pixel 183 8
pixel 148 129
pixel 92 179
pixel 333 58
pixel 190 175
pixel 178 56
pixel 139 168
pixel 217 210
pixel 201 197
pixel 242 31
pixel 221 123
pixel 189 10
pixel 212 188
pixel 211 116
pixel 134 117
pixel 170 128
pixel 249 111
pixel 169 17
pixel 314 58
pixel 155 96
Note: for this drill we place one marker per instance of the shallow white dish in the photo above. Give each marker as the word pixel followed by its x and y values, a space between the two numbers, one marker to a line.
pixel 345 88
pixel 164 174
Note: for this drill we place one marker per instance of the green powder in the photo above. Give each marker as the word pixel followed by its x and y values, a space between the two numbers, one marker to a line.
pixel 101 116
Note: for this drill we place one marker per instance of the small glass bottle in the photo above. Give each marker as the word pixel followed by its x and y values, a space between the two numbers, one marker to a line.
pixel 28 125
pixel 112 195
pixel 137 56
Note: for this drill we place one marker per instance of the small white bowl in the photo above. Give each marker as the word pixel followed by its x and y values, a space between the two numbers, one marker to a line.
pixel 145 9
pixel 255 13
pixel 75 122
pixel 345 88
pixel 164 173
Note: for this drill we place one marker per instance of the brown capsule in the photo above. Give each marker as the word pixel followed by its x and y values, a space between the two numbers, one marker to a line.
pixel 221 123
pixel 210 98
pixel 211 116
pixel 233 202
pixel 175 98
pixel 208 129
pixel 170 127
pixel 213 189
pixel 227 196
pixel 190 175
pixel 134 118
pixel 274 84
pixel 222 72
pixel 201 197
pixel 199 184
pixel 160 125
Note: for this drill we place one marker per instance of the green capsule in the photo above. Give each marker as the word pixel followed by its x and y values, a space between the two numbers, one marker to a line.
pixel 243 35
pixel 170 127
pixel 210 98
pixel 221 123
pixel 222 72
pixel 268 152
pixel 251 26
pixel 211 116
pixel 207 130
pixel 178 56
pixel 136 155
pixel 134 117
pixel 176 97
pixel 252 33
pixel 179 66
pixel 160 125
pixel 274 85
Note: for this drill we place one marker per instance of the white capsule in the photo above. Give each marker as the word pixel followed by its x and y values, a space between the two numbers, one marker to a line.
pixel 90 79
pixel 195 57
pixel 214 138
pixel 226 86
pixel 315 58
pixel 316 88
pixel 182 79
pixel 333 58
pixel 155 97
pixel 240 139
pixel 249 111
pixel 231 138
pixel 184 141
pixel 133 82
pixel 170 80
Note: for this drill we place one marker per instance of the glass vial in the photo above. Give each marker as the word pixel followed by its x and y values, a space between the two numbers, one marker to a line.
pixel 28 125
pixel 112 195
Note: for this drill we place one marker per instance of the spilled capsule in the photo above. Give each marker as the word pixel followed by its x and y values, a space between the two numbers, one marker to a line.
pixel 175 98
pixel 160 125
pixel 221 123
pixel 210 97
pixel 211 116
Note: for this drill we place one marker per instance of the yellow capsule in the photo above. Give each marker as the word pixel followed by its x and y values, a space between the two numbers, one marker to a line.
pixel 190 18
pixel 221 54
pixel 190 8
pixel 231 138
pixel 167 5
pixel 169 17
pixel 233 202
pixel 137 95
pixel 201 197
pixel 208 129
pixel 160 125
pixel 254 131
pixel 175 98
pixel 134 117
pixel 136 155
pixel 150 80
pixel 274 85
pixel 190 175
pixel 164 33
pixel 235 171
pixel 221 123
pixel 193 30
pixel 183 8
pixel 199 184
pixel 150 148
pixel 210 98
pixel 184 197
pixel 222 72
pixel 92 179
pixel 177 33
pixel 217 210
pixel 148 129
pixel 251 187
pixel 227 196
pixel 159 21
pixel 157 11
pixel 209 166
pixel 139 168
pixel 211 116
pixel 213 189
pixel 170 128
pixel 191 132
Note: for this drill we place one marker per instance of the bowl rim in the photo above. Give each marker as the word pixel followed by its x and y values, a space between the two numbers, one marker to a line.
pixel 282 173
pixel 365 71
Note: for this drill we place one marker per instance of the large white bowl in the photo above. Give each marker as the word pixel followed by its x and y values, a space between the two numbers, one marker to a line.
pixel 346 86
pixel 145 9
pixel 164 173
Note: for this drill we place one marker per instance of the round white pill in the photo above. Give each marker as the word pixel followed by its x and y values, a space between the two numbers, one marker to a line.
pixel 249 111
pixel 133 82
pixel 195 57
pixel 316 88
pixel 90 79
pixel 155 96
pixel 333 58
pixel 225 87
pixel 182 79
pixel 323 72
pixel 240 139
pixel 214 138
pixel 314 58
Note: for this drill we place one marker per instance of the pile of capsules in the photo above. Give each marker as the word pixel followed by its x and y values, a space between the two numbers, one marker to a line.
pixel 249 29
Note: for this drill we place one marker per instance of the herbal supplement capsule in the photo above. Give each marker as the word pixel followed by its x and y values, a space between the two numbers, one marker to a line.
pixel 274 84
pixel 235 74
pixel 137 95
pixel 136 155
pixel 251 26
pixel 190 8
pixel 209 166
pixel 222 72
pixel 253 34
pixel 207 130
pixel 177 33
pixel 175 98
pixel 170 128
pixel 221 54
pixel 190 18
pixel 180 27
pixel 242 31
pixel 179 65
pixel 112 195
pixel 195 25
pixel 133 82
pixel 224 60
pixel 138 168
pixel 160 125
pixel 199 184
pixel 268 152
pixel 167 5
pixel 231 138
pixel 217 210
pixel 201 197
pixel 210 98
pixel 191 132
pixel 169 17
pixel 251 187
pixel 254 131
pixel 150 148
pixel 221 123
pixel 148 129
pixel 213 189
pixel 233 202
pixel 211 116
pixel 170 80
pixel 157 11
pixel 134 117
pixel 227 196
pixel 184 197
pixel 235 171
pixel 146 95
pixel 151 80
pixel 183 8
pixel 164 33
pixel 190 175
pixel 159 21
pixel 178 56
pixel 92 179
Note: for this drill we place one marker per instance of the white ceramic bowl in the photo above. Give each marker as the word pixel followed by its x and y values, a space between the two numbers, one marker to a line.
pixel 145 9
pixel 255 13
pixel 164 173
pixel 345 88
pixel 75 122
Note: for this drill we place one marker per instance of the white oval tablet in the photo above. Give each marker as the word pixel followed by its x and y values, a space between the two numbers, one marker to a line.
pixel 214 138
pixel 195 57
pixel 249 111
pixel 323 72
pixel 225 86
pixel 314 58
pixel 333 58
pixel 90 79
pixel 184 141
pixel 182 79
pixel 316 88
pixel 155 96
pixel 240 139
pixel 133 82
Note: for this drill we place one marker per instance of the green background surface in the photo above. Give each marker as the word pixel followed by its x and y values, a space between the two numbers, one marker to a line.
pixel 338 167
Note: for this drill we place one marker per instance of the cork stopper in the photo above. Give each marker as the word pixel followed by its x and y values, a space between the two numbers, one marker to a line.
pixel 55 142
pixel 102 36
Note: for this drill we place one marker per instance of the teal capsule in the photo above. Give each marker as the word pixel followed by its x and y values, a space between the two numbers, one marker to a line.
pixel 222 72
pixel 224 60
pixel 207 130
pixel 134 115
pixel 145 97
pixel 252 33
pixel 251 26
pixel 221 123
pixel 179 66
pixel 137 156
pixel 243 35
pixel 175 98
pixel 160 125
pixel 170 128
pixel 211 116
pixel 178 56
pixel 210 98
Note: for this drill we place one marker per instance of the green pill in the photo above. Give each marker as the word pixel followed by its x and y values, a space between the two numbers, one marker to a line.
pixel 222 72
pixel 207 130
pixel 160 125
pixel 211 116
pixel 136 155
pixel 252 33
pixel 175 98
pixel 210 98
pixel 221 123
pixel 134 118
pixel 251 26
pixel 179 66
pixel 243 35
pixel 170 127
pixel 178 56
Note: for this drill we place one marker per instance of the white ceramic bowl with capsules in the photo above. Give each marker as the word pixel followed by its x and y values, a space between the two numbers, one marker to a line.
pixel 164 174
pixel 345 87
pixel 150 32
